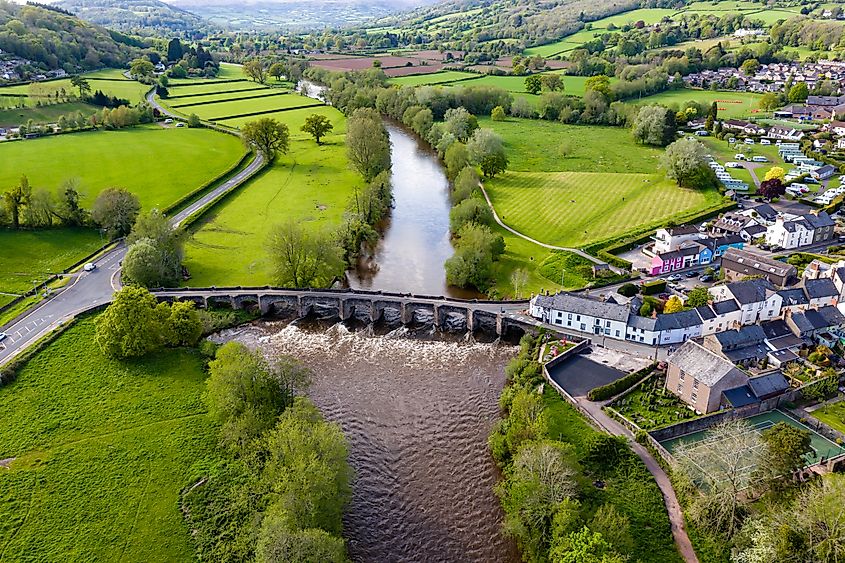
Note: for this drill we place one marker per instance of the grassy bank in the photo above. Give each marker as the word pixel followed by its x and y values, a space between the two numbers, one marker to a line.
pixel 102 450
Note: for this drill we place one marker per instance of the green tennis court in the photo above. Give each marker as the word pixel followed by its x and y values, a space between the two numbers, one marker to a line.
pixel 823 449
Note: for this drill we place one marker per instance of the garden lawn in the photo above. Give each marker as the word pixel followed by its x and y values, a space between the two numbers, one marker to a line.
pixel 102 450
pixel 731 104
pixel 159 165
pixel 14 117
pixel 534 145
pixel 29 257
pixel 311 185
pixel 433 78
pixel 833 415
pixel 221 110
pixel 574 208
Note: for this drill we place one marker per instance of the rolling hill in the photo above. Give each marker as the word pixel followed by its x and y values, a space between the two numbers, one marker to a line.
pixel 142 17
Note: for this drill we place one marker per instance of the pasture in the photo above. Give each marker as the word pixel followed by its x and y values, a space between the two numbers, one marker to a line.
pixel 101 450
pixel 159 165
pixel 29 257
pixel 311 185
pixel 732 105
pixel 575 208
pixel 13 117
pixel 110 81
pixel 572 85
pixel 434 78
pixel 208 88
pixel 550 146
pixel 295 119
pixel 226 97
pixel 219 111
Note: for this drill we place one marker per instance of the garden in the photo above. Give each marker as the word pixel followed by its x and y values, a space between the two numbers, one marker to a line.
pixel 651 406
pixel 833 415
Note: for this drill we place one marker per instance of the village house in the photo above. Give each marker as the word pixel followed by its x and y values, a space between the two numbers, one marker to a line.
pixel 582 314
pixel 756 390
pixel 671 238
pixel 699 377
pixel 801 231
pixel 813 322
pixel 758 300
pixel 738 264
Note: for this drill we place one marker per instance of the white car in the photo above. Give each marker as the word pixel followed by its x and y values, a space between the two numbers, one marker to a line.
pixel 739 156
pixel 749 141
pixel 732 140
pixel 89 267
pixel 765 142
pixel 168 120
pixel 3 336
pixel 733 165
pixel 760 159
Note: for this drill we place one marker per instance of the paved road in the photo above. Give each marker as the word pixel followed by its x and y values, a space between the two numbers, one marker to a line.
pixel 577 251
pixel 88 289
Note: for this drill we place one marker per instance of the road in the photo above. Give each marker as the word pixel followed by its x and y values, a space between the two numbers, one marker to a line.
pixel 88 289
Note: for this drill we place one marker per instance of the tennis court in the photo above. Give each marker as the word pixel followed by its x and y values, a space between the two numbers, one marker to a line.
pixel 822 447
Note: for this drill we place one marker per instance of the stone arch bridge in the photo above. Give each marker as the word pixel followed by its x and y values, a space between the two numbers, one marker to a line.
pixel 500 318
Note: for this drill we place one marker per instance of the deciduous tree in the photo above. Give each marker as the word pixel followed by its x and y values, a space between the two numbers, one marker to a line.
pixel 367 143
pixel 684 162
pixel 301 258
pixel 533 84
pixel 318 126
pixel 115 210
pixel 255 70
pixel 16 199
pixel 654 125
pixel 267 136
pixel 132 325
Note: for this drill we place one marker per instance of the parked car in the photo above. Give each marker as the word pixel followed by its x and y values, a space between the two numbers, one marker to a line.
pixel 733 165
pixel 731 140
pixel 705 278
pixel 764 246
pixel 168 120
pixel 89 267
pixel 765 142
pixel 180 124
pixel 3 336
pixel 739 156
pixel 749 141
pixel 759 159
pixel 690 274
pixel 673 278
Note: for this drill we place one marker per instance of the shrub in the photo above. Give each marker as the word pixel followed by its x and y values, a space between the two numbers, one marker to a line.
pixel 653 287
pixel 628 290
pixel 622 384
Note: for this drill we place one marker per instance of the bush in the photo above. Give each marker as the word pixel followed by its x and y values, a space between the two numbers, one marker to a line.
pixel 628 290
pixel 653 287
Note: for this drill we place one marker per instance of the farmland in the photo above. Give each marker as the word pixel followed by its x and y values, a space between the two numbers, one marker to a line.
pixel 434 78
pixel 29 257
pixel 159 165
pixel 732 105
pixel 311 184
pixel 102 449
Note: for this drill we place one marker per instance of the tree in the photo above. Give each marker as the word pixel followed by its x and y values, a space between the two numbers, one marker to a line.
pixel 143 265
pixel 460 123
pixel 487 150
pixel 721 470
pixel 183 325
pixel 552 82
pixel 519 279
pixel 16 199
pixel 301 258
pixel 673 305
pixel 771 189
pixel 776 172
pixel 684 162
pixel 472 264
pixel 255 70
pixel 712 116
pixel 132 326
pixel 654 125
pixel 367 143
pixel 533 84
pixel 465 184
pixel 786 446
pixel 750 67
pixel 81 83
pixel 267 136
pixel 498 114
pixel 279 543
pixel 318 126
pixel 798 93
pixel 698 297
pixel 141 68
pixel 456 159
pixel 769 101
pixel 174 50
pixel 599 84
pixel 68 209
pixel 115 210
pixel 586 546
pixel 194 121
pixel 470 210
pixel 277 71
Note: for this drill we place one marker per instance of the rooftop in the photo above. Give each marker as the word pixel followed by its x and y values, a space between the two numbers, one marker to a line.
pixel 706 366
pixel 576 304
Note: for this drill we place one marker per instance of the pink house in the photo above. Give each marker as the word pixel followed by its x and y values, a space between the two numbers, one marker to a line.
pixel 676 260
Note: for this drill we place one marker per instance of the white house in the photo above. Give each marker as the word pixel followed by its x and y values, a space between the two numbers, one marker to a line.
pixel 582 314
pixel 757 299
pixel 790 233
pixel 671 238
pixel 719 316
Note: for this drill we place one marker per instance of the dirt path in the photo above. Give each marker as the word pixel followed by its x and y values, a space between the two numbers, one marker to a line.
pixel 670 499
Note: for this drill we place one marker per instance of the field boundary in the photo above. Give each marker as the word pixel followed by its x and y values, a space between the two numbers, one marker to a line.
pixel 209 102
pixel 213 93
pixel 265 112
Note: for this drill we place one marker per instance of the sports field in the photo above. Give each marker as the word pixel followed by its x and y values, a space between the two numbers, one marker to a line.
pixel 822 447
pixel 731 104
pixel 29 257
pixel 311 185
pixel 100 451
pixel 575 208
pixel 159 165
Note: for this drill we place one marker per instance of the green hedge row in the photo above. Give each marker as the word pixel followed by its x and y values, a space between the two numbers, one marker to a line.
pixel 239 98
pixel 653 287
pixel 214 93
pixel 208 185
pixel 265 112
pixel 620 385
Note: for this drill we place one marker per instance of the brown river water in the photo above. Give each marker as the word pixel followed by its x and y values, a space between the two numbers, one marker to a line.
pixel 416 413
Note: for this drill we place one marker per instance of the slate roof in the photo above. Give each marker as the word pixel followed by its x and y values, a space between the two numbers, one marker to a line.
pixel 645 323
pixel 817 319
pixel 822 287
pixel 685 251
pixel 706 366
pixel 794 296
pixel 705 312
pixel 765 211
pixel 760 263
pixel 679 320
pixel 740 396
pixel 682 230
pixel 755 230
pixel 750 291
pixel 785 355
pixel 775 328
pixel 570 303
pixel 769 385
pixel 725 307
pixel 820 220
pixel 745 336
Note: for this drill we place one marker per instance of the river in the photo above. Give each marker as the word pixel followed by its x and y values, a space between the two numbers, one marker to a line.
pixel 417 414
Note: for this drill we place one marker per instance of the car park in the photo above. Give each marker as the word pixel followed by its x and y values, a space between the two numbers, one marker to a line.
pixel 673 278
pixel 691 274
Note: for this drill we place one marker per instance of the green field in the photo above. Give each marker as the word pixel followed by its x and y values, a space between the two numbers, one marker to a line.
pixel 573 85
pixel 212 87
pixel 159 165
pixel 574 208
pixel 29 257
pixel 102 450
pixel 221 110
pixel 44 114
pixel 295 119
pixel 433 78
pixel 311 184
pixel 229 96
pixel 549 146
pixel 731 104
pixel 110 81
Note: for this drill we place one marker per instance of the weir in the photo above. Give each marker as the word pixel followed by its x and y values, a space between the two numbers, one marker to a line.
pixel 496 318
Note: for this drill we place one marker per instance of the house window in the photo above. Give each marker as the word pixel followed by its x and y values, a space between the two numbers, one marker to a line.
pixel 694 397
pixel 569 316
pixel 577 317
pixel 568 323
pixel 617 334
pixel 607 324
pixel 695 383
pixel 682 376
pixel 641 339
pixel 607 332
pixel 583 327
pixel 679 387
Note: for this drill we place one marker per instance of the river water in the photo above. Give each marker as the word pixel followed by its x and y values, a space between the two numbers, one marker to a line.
pixel 417 414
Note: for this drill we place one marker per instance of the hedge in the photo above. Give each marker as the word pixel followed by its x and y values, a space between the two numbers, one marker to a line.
pixel 623 384
pixel 239 98
pixel 653 287
pixel 219 92
pixel 256 113
pixel 190 196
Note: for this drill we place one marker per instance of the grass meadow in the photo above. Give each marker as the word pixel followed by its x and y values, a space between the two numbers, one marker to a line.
pixel 219 111
pixel 29 257
pixel 13 117
pixel 223 96
pixel 575 208
pixel 731 104
pixel 311 184
pixel 573 85
pixel 198 88
pixel 433 78
pixel 101 451
pixel 159 165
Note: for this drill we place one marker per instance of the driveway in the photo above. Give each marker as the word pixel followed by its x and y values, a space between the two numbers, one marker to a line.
pixel 579 374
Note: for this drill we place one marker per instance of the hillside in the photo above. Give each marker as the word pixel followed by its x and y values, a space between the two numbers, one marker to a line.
pixel 54 40
pixel 142 17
